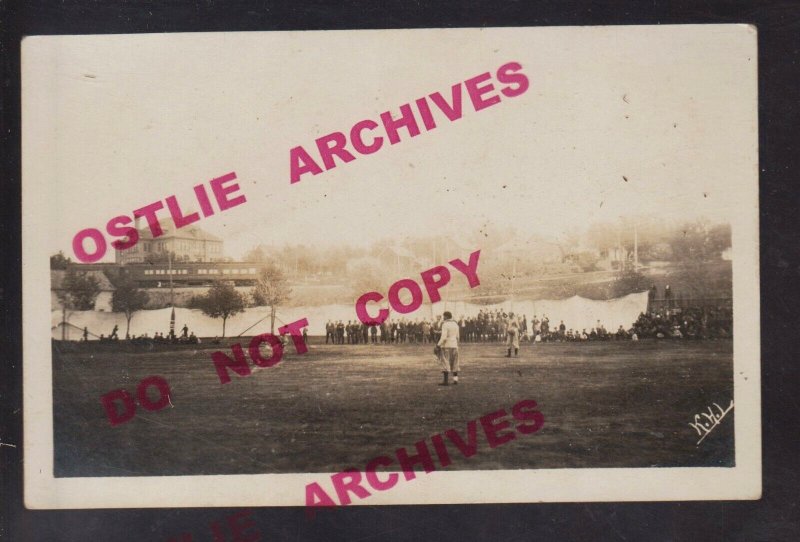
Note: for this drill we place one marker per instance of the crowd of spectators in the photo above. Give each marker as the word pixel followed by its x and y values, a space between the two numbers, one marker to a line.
pixel 493 326
pixel 397 331
pixel 185 337
pixel 689 323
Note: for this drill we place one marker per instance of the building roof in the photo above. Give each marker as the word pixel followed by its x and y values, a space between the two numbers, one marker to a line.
pixel 170 231
pixel 57 278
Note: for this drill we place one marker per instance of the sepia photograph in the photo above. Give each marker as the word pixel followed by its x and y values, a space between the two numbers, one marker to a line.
pixel 638 310
pixel 396 266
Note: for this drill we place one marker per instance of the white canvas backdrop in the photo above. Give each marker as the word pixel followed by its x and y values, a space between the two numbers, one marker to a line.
pixel 576 312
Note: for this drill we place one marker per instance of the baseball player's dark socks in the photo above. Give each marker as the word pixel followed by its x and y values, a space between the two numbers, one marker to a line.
pixel 509 353
pixel 444 382
pixel 516 352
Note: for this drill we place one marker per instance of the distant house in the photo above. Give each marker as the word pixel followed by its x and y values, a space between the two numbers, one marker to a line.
pixel 448 248
pixel 614 258
pixel 188 244
pixel 101 303
pixel 398 259
pixel 533 248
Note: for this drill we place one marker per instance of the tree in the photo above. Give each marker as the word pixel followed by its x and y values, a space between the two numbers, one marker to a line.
pixel 222 301
pixel 256 255
pixel 627 282
pixel 59 261
pixel 699 242
pixel 603 235
pixel 698 247
pixel 128 299
pixel 78 291
pixel 272 289
pixel 367 275
pixel 586 260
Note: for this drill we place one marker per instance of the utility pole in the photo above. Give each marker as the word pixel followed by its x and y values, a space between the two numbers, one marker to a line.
pixel 635 247
pixel 513 278
pixel 171 291
pixel 171 297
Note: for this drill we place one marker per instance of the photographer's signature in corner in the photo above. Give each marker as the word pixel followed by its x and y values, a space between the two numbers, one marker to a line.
pixel 712 419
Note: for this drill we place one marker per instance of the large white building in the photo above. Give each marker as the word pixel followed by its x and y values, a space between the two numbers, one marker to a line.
pixel 188 244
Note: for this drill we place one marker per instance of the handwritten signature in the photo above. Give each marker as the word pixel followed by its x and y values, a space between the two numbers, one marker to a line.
pixel 712 419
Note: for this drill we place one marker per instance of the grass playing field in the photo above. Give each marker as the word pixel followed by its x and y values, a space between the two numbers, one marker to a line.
pixel 605 405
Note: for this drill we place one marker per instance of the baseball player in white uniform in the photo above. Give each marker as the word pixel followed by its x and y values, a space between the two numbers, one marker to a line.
pixel 512 336
pixel 448 343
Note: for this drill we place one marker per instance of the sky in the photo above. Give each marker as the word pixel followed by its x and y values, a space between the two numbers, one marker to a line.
pixel 654 121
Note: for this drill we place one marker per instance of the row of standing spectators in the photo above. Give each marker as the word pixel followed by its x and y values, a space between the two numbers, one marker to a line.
pixel 494 326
